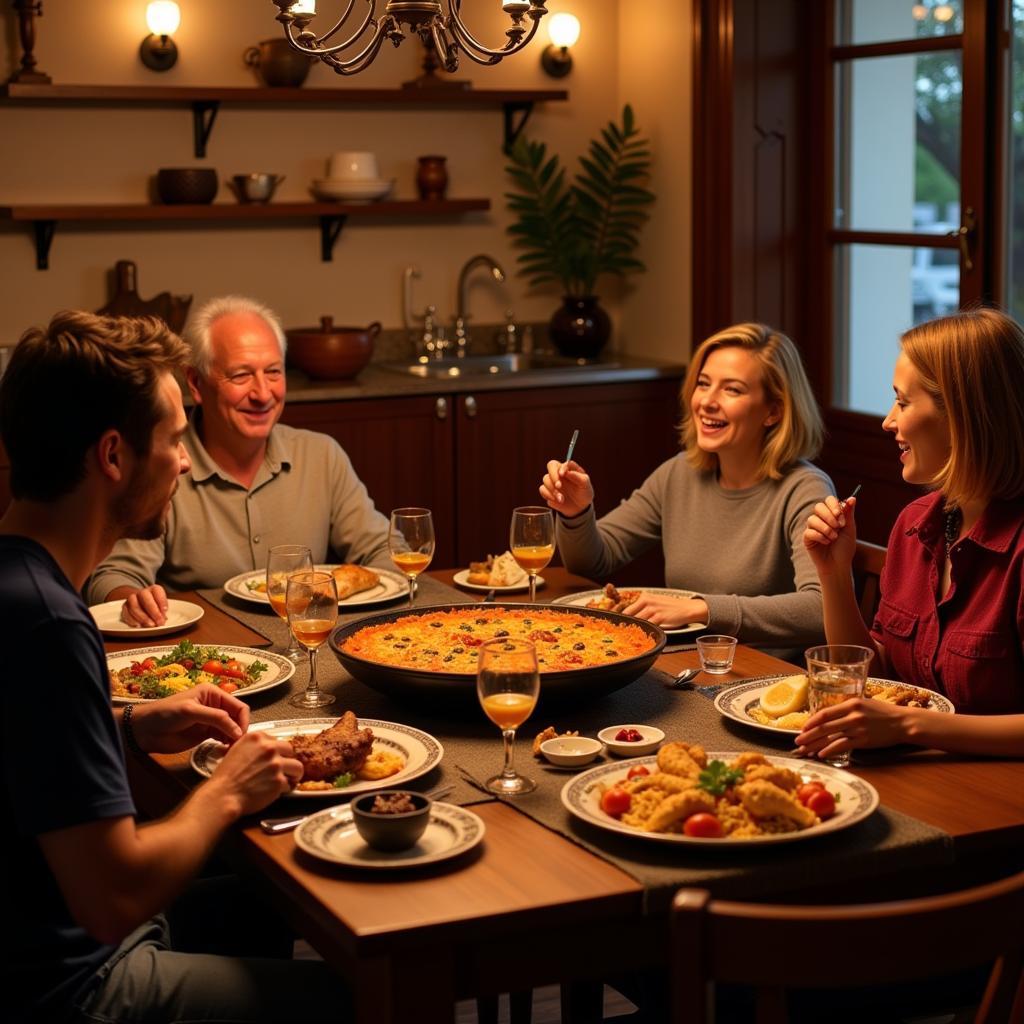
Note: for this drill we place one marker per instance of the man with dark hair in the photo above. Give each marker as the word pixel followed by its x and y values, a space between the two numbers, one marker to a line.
pixel 92 419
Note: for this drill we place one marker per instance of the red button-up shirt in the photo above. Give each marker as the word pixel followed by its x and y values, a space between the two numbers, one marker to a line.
pixel 970 644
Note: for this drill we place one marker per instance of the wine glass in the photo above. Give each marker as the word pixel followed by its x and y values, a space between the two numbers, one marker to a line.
pixel 284 559
pixel 411 542
pixel 312 604
pixel 508 685
pixel 532 539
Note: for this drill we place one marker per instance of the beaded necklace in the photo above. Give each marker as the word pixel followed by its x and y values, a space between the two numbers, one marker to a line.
pixel 952 519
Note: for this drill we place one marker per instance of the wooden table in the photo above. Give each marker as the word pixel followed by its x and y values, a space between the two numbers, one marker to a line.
pixel 532 908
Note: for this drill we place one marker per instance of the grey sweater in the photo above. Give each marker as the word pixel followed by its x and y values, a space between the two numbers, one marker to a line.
pixel 741 551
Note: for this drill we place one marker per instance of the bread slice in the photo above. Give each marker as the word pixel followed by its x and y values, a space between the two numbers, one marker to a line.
pixel 354 579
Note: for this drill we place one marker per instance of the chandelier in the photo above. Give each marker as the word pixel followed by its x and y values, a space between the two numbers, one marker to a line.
pixel 438 23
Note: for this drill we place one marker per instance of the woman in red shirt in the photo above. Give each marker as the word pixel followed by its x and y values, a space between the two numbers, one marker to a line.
pixel 951 616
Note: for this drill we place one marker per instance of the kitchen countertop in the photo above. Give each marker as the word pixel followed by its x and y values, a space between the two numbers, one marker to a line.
pixel 375 382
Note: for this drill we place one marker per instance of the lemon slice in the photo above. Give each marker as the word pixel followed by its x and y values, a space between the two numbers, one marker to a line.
pixel 785 696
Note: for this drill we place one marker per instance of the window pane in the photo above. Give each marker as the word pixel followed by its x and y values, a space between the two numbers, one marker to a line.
pixel 882 290
pixel 885 21
pixel 1015 175
pixel 898 143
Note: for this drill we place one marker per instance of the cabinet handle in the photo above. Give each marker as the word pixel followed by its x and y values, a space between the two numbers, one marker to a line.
pixel 470 406
pixel 441 408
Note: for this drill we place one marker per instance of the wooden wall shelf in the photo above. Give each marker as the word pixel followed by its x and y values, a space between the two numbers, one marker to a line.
pixel 205 102
pixel 332 216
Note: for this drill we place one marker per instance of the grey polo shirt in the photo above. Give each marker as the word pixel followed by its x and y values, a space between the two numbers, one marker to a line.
pixel 306 492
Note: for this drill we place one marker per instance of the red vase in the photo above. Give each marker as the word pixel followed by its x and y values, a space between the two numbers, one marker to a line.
pixel 432 177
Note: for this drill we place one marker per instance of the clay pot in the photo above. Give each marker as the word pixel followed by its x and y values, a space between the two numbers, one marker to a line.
pixel 278 63
pixel 189 185
pixel 580 328
pixel 432 177
pixel 331 353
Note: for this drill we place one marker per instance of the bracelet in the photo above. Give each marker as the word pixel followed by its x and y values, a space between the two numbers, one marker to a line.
pixel 129 733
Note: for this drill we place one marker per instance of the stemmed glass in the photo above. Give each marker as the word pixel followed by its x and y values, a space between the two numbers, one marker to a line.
pixel 411 543
pixel 312 603
pixel 532 539
pixel 285 559
pixel 508 685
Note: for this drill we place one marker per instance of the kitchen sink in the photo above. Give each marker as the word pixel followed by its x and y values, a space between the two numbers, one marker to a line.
pixel 483 365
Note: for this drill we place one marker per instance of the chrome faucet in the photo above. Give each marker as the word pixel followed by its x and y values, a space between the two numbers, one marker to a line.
pixel 461 340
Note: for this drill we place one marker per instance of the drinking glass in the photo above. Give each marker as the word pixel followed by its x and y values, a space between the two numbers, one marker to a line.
pixel 532 539
pixel 411 542
pixel 716 653
pixel 836 672
pixel 508 684
pixel 312 604
pixel 283 560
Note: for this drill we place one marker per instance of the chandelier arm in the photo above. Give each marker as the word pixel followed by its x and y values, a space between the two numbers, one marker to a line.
pixel 361 61
pixel 341 21
pixel 446 48
pixel 325 51
pixel 471 44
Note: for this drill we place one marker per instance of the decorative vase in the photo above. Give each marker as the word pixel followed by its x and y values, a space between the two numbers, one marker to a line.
pixel 580 328
pixel 432 177
pixel 278 63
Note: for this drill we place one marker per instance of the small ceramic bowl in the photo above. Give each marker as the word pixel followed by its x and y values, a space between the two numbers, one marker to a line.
pixel 650 739
pixel 391 832
pixel 570 751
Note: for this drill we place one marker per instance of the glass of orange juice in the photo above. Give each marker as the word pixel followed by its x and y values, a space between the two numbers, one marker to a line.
pixel 508 684
pixel 411 543
pixel 532 540
pixel 283 560
pixel 312 603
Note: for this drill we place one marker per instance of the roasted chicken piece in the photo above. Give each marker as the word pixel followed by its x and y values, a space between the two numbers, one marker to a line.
pixel 344 747
pixel 613 600
pixel 764 799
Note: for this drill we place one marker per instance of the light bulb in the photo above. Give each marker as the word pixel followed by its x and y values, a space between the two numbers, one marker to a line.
pixel 564 29
pixel 163 17
pixel 919 12
pixel 944 12
pixel 303 7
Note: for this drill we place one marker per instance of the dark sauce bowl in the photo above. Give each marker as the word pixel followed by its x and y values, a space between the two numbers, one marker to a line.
pixel 391 832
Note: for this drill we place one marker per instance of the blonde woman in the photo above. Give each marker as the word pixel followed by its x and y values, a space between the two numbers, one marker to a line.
pixel 730 509
pixel 951 616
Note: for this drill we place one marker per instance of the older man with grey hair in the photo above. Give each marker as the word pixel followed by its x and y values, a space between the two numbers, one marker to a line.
pixel 253 482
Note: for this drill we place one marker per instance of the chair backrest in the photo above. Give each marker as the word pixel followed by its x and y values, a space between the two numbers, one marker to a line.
pixel 868 560
pixel 774 948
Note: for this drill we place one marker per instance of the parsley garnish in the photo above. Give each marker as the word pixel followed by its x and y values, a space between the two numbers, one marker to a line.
pixel 718 777
pixel 343 780
pixel 256 669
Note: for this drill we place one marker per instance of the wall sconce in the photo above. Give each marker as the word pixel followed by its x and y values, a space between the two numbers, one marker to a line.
pixel 158 51
pixel 564 30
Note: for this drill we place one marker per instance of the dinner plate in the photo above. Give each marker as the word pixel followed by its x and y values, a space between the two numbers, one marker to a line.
pixel 462 579
pixel 583 598
pixel 331 835
pixel 279 669
pixel 420 750
pixel 855 800
pixel 736 701
pixel 180 615
pixel 392 585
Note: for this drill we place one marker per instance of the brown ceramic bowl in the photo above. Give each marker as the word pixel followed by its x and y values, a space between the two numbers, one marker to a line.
pixel 331 353
pixel 186 184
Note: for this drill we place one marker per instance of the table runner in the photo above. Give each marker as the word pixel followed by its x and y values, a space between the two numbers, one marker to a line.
pixel 885 843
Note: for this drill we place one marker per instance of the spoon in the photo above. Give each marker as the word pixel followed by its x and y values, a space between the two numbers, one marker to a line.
pixel 682 681
pixel 277 826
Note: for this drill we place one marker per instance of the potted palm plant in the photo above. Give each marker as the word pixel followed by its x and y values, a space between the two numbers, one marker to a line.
pixel 574 232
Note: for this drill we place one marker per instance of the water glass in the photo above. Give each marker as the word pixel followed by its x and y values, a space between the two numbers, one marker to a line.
pixel 836 672
pixel 716 653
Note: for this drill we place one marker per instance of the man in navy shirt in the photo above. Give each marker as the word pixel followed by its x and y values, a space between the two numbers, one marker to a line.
pixel 92 419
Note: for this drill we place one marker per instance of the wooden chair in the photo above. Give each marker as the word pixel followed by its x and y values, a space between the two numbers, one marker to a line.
pixel 868 561
pixel 774 948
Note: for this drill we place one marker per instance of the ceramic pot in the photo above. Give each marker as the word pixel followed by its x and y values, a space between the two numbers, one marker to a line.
pixel 432 177
pixel 580 328
pixel 278 63
pixel 331 353
pixel 188 185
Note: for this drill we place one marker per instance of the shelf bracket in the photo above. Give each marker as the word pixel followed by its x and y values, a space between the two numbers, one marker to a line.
pixel 512 128
pixel 204 113
pixel 44 230
pixel 330 229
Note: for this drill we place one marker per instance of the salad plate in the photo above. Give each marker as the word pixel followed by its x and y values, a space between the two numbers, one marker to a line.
pixel 252 587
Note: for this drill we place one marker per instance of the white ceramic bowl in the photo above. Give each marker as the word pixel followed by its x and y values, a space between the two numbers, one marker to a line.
pixel 352 165
pixel 352 191
pixel 570 751
pixel 650 739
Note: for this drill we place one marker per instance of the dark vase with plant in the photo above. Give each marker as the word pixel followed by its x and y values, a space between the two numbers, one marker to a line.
pixel 574 232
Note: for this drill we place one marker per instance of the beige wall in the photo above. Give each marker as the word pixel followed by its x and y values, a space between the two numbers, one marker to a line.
pixel 83 155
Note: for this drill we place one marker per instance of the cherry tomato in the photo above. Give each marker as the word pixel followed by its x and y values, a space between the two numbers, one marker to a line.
pixel 149 664
pixel 807 790
pixel 187 663
pixel 228 687
pixel 615 801
pixel 234 673
pixel 215 668
pixel 823 803
pixel 234 665
pixel 703 826
pixel 637 769
pixel 136 669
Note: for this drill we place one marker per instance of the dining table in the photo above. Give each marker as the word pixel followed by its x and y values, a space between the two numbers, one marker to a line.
pixel 546 898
